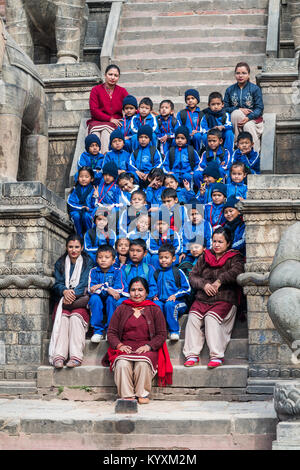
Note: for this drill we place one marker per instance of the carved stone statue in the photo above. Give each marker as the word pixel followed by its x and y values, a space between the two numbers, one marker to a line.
pixel 62 21
pixel 23 115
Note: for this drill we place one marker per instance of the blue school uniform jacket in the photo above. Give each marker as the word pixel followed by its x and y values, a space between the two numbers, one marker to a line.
pixel 193 119
pixel 248 97
pixel 237 189
pixel 201 233
pixel 237 229
pixel 109 194
pixel 137 121
pixel 166 126
pixel 120 158
pixel 143 269
pixel 184 195
pixel 153 196
pixel 143 160
pixel 218 121
pixel 156 240
pixel 214 214
pixel 93 238
pixel 81 196
pixel 111 279
pixel 93 161
pixel 126 126
pixel 251 160
pixel 166 284
pixel 221 155
pixel 126 196
pixel 181 161
pixel 127 219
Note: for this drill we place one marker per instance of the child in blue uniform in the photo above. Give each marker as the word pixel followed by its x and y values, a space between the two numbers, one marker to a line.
pixel 117 154
pixel 246 154
pixel 100 234
pixel 182 159
pixel 105 287
pixel 155 187
pixel 92 157
pixel 215 117
pixel 213 211
pixel 122 252
pixel 167 125
pixel 191 117
pixel 130 106
pixel 163 234
pixel 196 230
pixel 173 286
pixel 81 203
pixel 127 186
pixel 142 118
pixel 235 224
pixel 184 195
pixel 138 206
pixel 237 186
pixel 211 175
pixel 108 193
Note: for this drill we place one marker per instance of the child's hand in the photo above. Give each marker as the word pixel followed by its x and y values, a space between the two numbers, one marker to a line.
pixel 95 287
pixel 113 293
pixel 181 257
pixel 193 132
pixel 202 189
pixel 219 127
pixel 153 209
pixel 155 297
pixel 96 192
pixel 186 185
pixel 172 298
pixel 164 139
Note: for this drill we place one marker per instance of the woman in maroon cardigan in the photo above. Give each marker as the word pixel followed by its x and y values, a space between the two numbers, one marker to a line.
pixel 211 316
pixel 136 336
pixel 106 102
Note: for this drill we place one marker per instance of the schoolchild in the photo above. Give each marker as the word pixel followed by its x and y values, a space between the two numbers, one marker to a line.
pixel 99 234
pixel 171 208
pixel 127 186
pixel 80 203
pixel 211 175
pixel 105 287
pixel 130 106
pixel 236 186
pixel 184 195
pixel 213 211
pixel 235 224
pixel 145 156
pixel 142 118
pixel 195 230
pixel 191 117
pixel 215 117
pixel 246 154
pixel 108 193
pixel 181 159
pixel 91 158
pixel 122 252
pixel 167 125
pixel 162 234
pixel 155 180
pixel 138 205
pixel 117 153
pixel 173 288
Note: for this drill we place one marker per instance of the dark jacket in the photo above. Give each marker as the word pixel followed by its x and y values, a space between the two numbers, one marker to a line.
pixel 248 97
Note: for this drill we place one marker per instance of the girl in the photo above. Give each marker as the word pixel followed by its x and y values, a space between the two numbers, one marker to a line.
pixel 122 250
pixel 155 180
pixel 127 186
pixel 100 234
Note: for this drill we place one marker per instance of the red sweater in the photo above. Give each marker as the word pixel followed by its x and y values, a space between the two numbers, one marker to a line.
pixel 102 107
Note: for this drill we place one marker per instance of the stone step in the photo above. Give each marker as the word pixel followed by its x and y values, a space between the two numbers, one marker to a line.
pixel 14 387
pixel 220 18
pixel 177 89
pixel 226 376
pixel 187 45
pixel 94 425
pixel 192 7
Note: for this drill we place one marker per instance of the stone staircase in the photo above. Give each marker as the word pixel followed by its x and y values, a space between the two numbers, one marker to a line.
pixel 165 47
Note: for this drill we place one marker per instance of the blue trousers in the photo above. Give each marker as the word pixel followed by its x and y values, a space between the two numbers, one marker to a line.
pixel 197 141
pixel 171 311
pixel 98 304
pixel 82 221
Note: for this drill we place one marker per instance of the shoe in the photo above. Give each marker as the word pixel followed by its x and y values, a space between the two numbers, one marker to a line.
pixel 73 363
pixel 215 363
pixel 174 336
pixel 191 362
pixel 96 338
pixel 58 364
pixel 143 400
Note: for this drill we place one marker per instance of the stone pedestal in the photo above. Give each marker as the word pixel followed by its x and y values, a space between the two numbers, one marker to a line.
pixel 287 407
pixel 33 228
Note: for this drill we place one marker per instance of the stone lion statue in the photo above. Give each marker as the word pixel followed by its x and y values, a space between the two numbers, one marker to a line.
pixel 58 24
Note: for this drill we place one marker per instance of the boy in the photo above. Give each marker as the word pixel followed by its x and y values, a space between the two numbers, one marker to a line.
pixel 105 287
pixel 211 175
pixel 213 211
pixel 108 193
pixel 91 157
pixel 236 187
pixel 191 117
pixel 182 159
pixel 163 234
pixel 144 117
pixel 130 107
pixel 99 235
pixel 172 286
pixel 235 223
pixel 215 117
pixel 117 154
pixel 167 125
pixel 215 152
pixel 246 154
pixel 171 208
pixel 138 206
pixel 137 266
pixel 155 188
pixel 195 230
pixel 144 157
pixel 184 195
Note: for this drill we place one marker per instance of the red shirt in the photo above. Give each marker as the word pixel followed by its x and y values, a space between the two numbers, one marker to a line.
pixel 103 107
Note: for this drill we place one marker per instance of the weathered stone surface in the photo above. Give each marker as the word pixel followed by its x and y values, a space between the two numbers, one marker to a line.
pixel 287 400
pixel 126 406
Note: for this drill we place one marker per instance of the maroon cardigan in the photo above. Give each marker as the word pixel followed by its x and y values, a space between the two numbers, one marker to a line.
pixel 155 320
pixel 204 272
pixel 102 107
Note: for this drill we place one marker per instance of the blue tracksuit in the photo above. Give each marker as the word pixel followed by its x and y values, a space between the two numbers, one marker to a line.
pixel 143 161
pixel 156 240
pixel 201 233
pixel 214 214
pixel 143 269
pixel 237 229
pixel 211 120
pixel 166 285
pixel 251 160
pixel 81 197
pixel 108 194
pixel 94 238
pixel 101 300
pixel 184 196
pixel 120 158
pixel 153 196
pixel 92 161
pixel 127 220
pixel 134 234
pixel 127 132
pixel 181 168
pixel 250 96
pixel 166 127
pixel 126 196
pixel 192 122
pixel 137 122
pixel 221 156
pixel 239 190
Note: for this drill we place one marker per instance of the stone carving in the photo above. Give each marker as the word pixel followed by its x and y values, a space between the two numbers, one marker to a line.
pixel 287 400
pixel 54 21
pixel 26 281
pixel 22 112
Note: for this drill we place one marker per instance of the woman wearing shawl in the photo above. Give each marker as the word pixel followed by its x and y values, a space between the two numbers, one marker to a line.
pixel 137 350
pixel 71 316
pixel 212 315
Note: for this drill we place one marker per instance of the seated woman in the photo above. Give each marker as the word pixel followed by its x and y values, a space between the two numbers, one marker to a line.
pixel 243 100
pixel 106 102
pixel 71 273
pixel 211 316
pixel 137 350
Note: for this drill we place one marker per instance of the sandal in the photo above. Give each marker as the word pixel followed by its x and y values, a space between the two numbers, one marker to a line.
pixel 215 363
pixel 191 362
pixel 143 400
pixel 73 363
pixel 58 364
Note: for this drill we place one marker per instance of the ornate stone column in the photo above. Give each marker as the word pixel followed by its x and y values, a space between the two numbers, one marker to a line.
pixel 287 407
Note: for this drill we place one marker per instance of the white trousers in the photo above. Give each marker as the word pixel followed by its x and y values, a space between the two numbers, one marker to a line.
pixel 254 129
pixel 133 378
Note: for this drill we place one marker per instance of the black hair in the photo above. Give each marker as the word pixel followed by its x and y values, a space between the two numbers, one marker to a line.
pixel 103 248
pixel 169 192
pixel 139 191
pixel 239 164
pixel 169 102
pixel 119 239
pixel 88 169
pixel 156 173
pixel 140 279
pixel 213 95
pixel 125 176
pixel 61 260
pixel 244 135
pixel 139 242
pixel 225 232
pixel 173 177
pixel 112 66
pixel 242 64
pixel 167 247
pixel 74 237
pixel 215 132
pixel 147 101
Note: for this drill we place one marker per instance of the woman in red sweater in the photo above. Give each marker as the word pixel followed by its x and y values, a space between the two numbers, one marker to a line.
pixel 106 102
